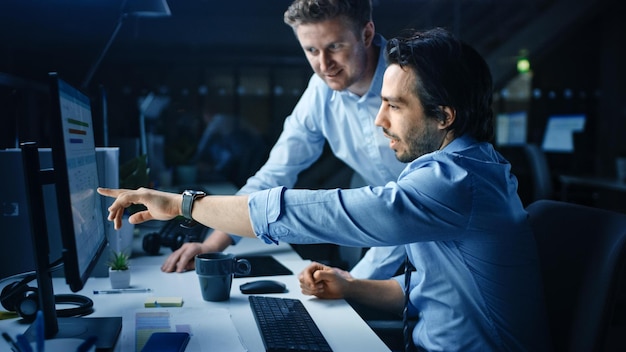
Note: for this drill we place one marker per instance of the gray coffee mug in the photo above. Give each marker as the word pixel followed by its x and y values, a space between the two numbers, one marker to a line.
pixel 215 271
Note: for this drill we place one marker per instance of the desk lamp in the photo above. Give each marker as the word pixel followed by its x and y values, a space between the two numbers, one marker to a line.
pixel 136 8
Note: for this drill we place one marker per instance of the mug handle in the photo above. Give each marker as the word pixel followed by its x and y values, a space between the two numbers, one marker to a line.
pixel 242 266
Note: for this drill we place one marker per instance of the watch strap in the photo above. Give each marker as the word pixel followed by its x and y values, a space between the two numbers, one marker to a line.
pixel 188 198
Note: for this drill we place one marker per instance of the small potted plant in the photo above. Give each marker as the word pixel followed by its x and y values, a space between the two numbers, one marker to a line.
pixel 119 270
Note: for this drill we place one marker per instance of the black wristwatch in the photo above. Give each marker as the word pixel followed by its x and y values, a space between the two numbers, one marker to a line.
pixel 189 197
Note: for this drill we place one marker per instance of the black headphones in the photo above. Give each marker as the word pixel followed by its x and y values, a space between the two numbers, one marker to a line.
pixel 152 242
pixel 20 298
pixel 174 234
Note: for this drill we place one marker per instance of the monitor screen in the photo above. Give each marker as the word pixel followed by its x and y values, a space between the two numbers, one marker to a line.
pixel 79 206
pixel 511 128
pixel 559 134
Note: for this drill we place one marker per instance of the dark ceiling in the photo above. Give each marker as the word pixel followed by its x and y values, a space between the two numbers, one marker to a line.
pixel 67 35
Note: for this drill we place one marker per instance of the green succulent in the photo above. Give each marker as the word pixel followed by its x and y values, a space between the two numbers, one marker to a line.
pixel 118 261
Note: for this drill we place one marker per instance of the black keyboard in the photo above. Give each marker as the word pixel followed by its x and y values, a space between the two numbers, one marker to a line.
pixel 286 326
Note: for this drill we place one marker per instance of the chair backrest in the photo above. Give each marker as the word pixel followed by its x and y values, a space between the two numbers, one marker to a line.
pixel 582 252
pixel 530 166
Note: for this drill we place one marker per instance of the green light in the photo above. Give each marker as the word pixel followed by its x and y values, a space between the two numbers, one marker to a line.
pixel 523 65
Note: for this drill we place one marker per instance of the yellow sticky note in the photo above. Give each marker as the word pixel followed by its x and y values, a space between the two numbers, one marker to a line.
pixel 8 315
pixel 152 302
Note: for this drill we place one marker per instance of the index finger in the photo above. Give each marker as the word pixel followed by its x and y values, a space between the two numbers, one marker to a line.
pixel 109 192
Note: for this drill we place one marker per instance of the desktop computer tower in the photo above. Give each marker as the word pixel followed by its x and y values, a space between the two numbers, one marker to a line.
pixel 16 247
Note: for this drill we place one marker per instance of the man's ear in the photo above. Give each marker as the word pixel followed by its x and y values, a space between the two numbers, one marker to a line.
pixel 368 34
pixel 450 115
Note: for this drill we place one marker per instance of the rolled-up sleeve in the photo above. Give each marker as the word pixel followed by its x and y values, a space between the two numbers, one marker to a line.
pixel 413 311
pixel 366 216
pixel 265 208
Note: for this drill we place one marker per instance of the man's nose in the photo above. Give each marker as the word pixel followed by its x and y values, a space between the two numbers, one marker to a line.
pixel 325 61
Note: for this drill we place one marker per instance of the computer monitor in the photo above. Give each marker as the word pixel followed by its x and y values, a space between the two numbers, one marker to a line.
pixel 16 246
pixel 511 128
pixel 74 158
pixel 559 134
pixel 83 235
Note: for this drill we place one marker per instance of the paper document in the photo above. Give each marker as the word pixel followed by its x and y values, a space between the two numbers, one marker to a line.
pixel 210 329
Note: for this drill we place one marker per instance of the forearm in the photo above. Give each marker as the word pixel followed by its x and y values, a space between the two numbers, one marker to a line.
pixel 217 241
pixel 386 295
pixel 225 213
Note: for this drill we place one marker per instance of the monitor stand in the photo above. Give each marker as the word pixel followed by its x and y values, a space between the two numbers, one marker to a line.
pixel 106 329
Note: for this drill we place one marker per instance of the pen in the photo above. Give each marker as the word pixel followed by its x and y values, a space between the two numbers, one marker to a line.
pixel 9 340
pixel 121 290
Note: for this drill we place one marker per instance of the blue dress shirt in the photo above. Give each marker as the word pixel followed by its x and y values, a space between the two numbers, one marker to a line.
pixel 346 121
pixel 477 284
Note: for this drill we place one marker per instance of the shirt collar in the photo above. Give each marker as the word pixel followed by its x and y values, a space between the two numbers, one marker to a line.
pixel 460 143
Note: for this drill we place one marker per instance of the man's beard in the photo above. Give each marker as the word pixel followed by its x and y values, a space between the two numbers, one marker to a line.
pixel 421 142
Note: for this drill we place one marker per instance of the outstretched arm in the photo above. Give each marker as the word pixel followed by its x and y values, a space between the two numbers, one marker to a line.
pixel 227 213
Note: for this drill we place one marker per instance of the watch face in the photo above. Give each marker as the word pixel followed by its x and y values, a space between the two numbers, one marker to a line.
pixel 194 193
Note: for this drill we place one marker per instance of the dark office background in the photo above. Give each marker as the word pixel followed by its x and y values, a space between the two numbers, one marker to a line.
pixel 241 59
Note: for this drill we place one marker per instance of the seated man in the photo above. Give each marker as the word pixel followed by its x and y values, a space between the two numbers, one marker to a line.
pixel 454 208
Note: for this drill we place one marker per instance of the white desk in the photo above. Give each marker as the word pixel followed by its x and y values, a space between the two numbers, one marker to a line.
pixel 340 324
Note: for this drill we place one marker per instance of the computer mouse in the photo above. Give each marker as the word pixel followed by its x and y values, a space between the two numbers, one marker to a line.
pixel 263 286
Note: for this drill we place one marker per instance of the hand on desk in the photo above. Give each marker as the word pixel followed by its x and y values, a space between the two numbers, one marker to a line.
pixel 324 281
pixel 183 258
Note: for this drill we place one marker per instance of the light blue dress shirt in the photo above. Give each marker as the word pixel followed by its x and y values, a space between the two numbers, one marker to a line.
pixel 346 121
pixel 477 284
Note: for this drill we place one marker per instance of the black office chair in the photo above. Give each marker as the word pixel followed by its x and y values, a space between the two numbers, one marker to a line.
pixel 582 252
pixel 530 166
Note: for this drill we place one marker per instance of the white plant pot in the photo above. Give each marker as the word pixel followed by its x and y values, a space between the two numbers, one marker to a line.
pixel 119 278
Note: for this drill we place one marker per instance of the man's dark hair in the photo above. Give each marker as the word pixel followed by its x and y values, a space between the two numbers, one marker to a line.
pixel 448 73
pixel 357 12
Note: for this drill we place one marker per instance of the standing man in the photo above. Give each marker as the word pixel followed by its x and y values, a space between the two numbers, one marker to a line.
pixel 477 284
pixel 339 107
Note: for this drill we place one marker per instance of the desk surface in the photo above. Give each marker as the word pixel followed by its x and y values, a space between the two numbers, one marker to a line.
pixel 340 324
